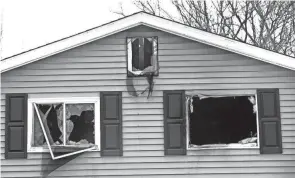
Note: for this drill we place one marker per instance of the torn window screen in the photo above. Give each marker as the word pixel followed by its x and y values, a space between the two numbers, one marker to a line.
pixel 223 121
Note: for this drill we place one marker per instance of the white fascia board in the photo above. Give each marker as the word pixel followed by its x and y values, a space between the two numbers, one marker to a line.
pixel 219 42
pixel 69 43
pixel 157 23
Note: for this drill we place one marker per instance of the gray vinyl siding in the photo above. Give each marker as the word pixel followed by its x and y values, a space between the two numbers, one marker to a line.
pixel 184 65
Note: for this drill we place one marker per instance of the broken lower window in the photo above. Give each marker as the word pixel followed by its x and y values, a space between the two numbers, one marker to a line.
pixel 66 128
pixel 142 55
pixel 223 121
pixel 79 124
pixel 53 112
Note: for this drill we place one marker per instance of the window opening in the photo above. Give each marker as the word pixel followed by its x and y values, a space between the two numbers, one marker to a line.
pixel 223 121
pixel 142 55
pixel 66 128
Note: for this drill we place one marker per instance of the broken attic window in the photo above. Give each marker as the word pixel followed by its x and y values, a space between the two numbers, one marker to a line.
pixel 223 121
pixel 66 129
pixel 142 55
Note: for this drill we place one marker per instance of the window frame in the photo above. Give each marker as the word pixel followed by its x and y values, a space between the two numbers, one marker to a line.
pixel 216 147
pixel 129 59
pixel 65 100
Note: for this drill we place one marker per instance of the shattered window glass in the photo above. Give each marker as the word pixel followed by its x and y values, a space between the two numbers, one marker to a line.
pixel 65 128
pixel 80 124
pixel 38 137
pixel 54 118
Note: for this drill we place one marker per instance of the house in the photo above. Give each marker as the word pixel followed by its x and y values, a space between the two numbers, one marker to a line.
pixel 216 107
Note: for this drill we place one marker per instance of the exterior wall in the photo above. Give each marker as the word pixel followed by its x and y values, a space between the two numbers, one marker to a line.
pixel 184 64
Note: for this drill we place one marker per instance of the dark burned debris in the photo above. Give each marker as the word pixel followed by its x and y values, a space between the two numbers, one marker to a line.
pixel 223 121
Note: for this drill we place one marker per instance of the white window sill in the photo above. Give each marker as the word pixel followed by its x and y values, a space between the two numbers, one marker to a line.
pixel 46 149
pixel 222 147
pixel 136 72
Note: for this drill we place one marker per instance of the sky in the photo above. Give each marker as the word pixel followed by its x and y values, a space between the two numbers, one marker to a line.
pixel 28 24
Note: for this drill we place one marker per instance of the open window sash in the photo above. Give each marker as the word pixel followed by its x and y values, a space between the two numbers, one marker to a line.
pixel 58 151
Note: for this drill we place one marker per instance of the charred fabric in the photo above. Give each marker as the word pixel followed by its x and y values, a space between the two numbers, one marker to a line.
pixel 142 61
pixel 222 120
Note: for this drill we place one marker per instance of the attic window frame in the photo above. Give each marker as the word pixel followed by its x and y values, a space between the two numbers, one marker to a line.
pixel 221 146
pixel 70 100
pixel 130 72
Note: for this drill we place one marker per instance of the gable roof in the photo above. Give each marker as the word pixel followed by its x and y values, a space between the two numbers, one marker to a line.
pixel 142 18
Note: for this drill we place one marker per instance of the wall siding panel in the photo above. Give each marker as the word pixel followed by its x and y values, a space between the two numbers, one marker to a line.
pixel 184 65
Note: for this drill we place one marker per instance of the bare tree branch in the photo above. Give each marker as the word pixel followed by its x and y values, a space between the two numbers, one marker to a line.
pixel 120 11
pixel 266 24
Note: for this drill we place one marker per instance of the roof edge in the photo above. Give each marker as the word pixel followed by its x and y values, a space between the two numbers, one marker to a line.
pixel 143 18
pixel 70 42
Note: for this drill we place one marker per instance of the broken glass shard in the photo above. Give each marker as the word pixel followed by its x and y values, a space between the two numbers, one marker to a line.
pixel 51 119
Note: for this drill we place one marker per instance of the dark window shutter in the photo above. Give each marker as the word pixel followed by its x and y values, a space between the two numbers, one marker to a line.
pixel 269 121
pixel 16 126
pixel 174 123
pixel 111 123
